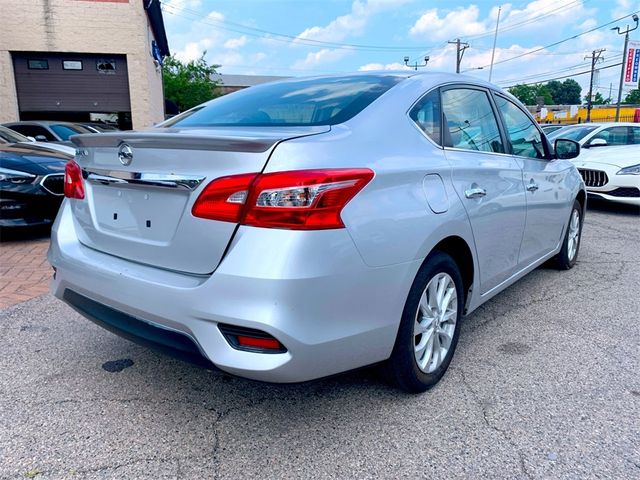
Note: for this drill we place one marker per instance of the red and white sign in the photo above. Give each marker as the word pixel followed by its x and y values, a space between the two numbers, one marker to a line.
pixel 632 65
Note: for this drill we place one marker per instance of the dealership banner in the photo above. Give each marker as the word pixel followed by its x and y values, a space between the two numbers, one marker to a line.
pixel 632 64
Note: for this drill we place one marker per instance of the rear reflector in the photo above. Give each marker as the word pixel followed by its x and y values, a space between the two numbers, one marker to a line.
pixel 250 339
pixel 300 199
pixel 73 183
pixel 263 343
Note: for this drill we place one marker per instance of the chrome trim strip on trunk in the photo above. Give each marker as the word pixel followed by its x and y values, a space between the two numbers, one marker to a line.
pixel 164 180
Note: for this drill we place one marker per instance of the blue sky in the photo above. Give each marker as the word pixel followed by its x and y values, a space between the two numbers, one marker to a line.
pixel 310 37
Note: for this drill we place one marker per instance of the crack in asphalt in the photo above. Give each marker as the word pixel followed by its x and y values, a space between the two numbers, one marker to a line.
pixel 500 431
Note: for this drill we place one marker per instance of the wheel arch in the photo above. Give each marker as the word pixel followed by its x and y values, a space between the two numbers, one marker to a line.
pixel 458 249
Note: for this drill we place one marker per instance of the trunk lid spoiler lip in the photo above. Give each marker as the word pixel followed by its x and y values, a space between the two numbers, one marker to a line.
pixel 254 140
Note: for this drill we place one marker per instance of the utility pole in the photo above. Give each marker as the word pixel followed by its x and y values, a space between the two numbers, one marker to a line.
pixel 595 57
pixel 624 60
pixel 416 65
pixel 495 37
pixel 460 48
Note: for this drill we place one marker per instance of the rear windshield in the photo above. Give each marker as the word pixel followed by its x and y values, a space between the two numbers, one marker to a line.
pixel 65 131
pixel 319 101
pixel 572 133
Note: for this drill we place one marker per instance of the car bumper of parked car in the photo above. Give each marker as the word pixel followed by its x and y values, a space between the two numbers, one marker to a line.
pixel 616 188
pixel 309 290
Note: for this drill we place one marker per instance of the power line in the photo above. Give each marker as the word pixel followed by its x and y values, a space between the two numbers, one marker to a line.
pixel 564 76
pixel 564 40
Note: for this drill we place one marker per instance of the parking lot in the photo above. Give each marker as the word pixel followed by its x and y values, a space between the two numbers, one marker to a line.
pixel 544 384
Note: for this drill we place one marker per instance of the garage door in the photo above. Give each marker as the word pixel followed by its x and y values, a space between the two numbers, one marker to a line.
pixel 47 82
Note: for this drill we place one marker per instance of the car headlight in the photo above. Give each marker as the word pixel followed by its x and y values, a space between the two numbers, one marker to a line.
pixel 15 176
pixel 632 170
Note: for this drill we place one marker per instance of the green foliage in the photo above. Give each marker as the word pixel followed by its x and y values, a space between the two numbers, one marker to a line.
pixel 570 93
pixel 553 92
pixel 189 83
pixel 633 98
pixel 598 99
pixel 528 94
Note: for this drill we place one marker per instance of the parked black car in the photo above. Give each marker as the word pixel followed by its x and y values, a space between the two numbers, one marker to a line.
pixel 31 185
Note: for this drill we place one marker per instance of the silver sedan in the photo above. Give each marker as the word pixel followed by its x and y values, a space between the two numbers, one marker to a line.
pixel 307 227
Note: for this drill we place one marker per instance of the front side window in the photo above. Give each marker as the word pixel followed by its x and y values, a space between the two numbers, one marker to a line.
pixel 324 101
pixel 525 138
pixel 426 114
pixel 635 135
pixel 613 136
pixel 469 121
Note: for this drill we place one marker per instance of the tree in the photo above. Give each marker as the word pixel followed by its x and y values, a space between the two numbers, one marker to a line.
pixel 633 97
pixel 528 94
pixel 571 91
pixel 188 84
pixel 598 99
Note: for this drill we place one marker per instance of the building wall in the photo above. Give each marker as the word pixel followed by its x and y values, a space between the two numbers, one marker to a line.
pixel 82 26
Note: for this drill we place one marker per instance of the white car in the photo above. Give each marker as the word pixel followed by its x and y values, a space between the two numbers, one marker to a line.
pixel 590 135
pixel 611 173
pixel 10 136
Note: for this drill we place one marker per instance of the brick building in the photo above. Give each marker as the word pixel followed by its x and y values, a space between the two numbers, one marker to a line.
pixel 73 59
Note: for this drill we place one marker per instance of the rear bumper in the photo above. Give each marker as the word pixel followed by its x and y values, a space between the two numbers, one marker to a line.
pixel 310 290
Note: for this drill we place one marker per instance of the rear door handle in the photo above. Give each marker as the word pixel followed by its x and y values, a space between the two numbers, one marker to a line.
pixel 532 187
pixel 476 192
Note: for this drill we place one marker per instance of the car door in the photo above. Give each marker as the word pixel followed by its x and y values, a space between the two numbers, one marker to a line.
pixel 548 198
pixel 487 180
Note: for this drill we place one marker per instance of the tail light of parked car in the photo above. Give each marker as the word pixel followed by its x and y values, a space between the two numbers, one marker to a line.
pixel 73 183
pixel 299 200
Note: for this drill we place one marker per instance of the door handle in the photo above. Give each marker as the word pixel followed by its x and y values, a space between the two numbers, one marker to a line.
pixel 476 192
pixel 532 187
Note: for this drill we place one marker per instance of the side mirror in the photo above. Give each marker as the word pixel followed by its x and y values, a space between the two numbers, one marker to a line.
pixel 566 149
pixel 598 142
pixel 41 138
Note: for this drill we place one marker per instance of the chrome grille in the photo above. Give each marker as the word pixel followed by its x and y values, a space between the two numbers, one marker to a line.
pixel 594 178
pixel 54 183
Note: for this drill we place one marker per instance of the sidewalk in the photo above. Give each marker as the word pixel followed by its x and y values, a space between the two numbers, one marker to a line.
pixel 24 271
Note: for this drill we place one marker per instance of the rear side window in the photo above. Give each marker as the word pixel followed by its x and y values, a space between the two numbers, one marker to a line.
pixel 324 101
pixel 524 136
pixel 426 114
pixel 34 131
pixel 469 121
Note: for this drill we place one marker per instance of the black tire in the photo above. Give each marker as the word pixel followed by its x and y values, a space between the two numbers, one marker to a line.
pixel 563 260
pixel 402 368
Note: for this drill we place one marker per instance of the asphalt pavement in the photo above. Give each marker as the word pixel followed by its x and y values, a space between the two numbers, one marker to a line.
pixel 545 383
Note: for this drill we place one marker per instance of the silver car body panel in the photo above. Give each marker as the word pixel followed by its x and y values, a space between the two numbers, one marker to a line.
pixel 334 298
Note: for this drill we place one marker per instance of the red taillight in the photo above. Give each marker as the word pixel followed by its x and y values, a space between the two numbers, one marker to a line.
pixel 262 343
pixel 224 198
pixel 301 199
pixel 73 184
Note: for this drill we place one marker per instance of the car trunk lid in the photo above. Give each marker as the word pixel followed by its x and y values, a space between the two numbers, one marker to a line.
pixel 140 188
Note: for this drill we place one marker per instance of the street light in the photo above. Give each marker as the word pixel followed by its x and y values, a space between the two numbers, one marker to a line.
pixel 415 66
pixel 624 59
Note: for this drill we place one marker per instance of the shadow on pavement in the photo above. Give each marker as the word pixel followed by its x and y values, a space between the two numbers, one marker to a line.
pixel 612 207
pixel 24 234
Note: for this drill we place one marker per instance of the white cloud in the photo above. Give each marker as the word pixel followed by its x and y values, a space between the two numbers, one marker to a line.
pixel 383 66
pixel 351 24
pixel 215 16
pixel 326 55
pixel 234 43
pixel 458 22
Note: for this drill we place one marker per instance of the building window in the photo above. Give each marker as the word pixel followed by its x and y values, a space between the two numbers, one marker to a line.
pixel 72 65
pixel 106 66
pixel 38 64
